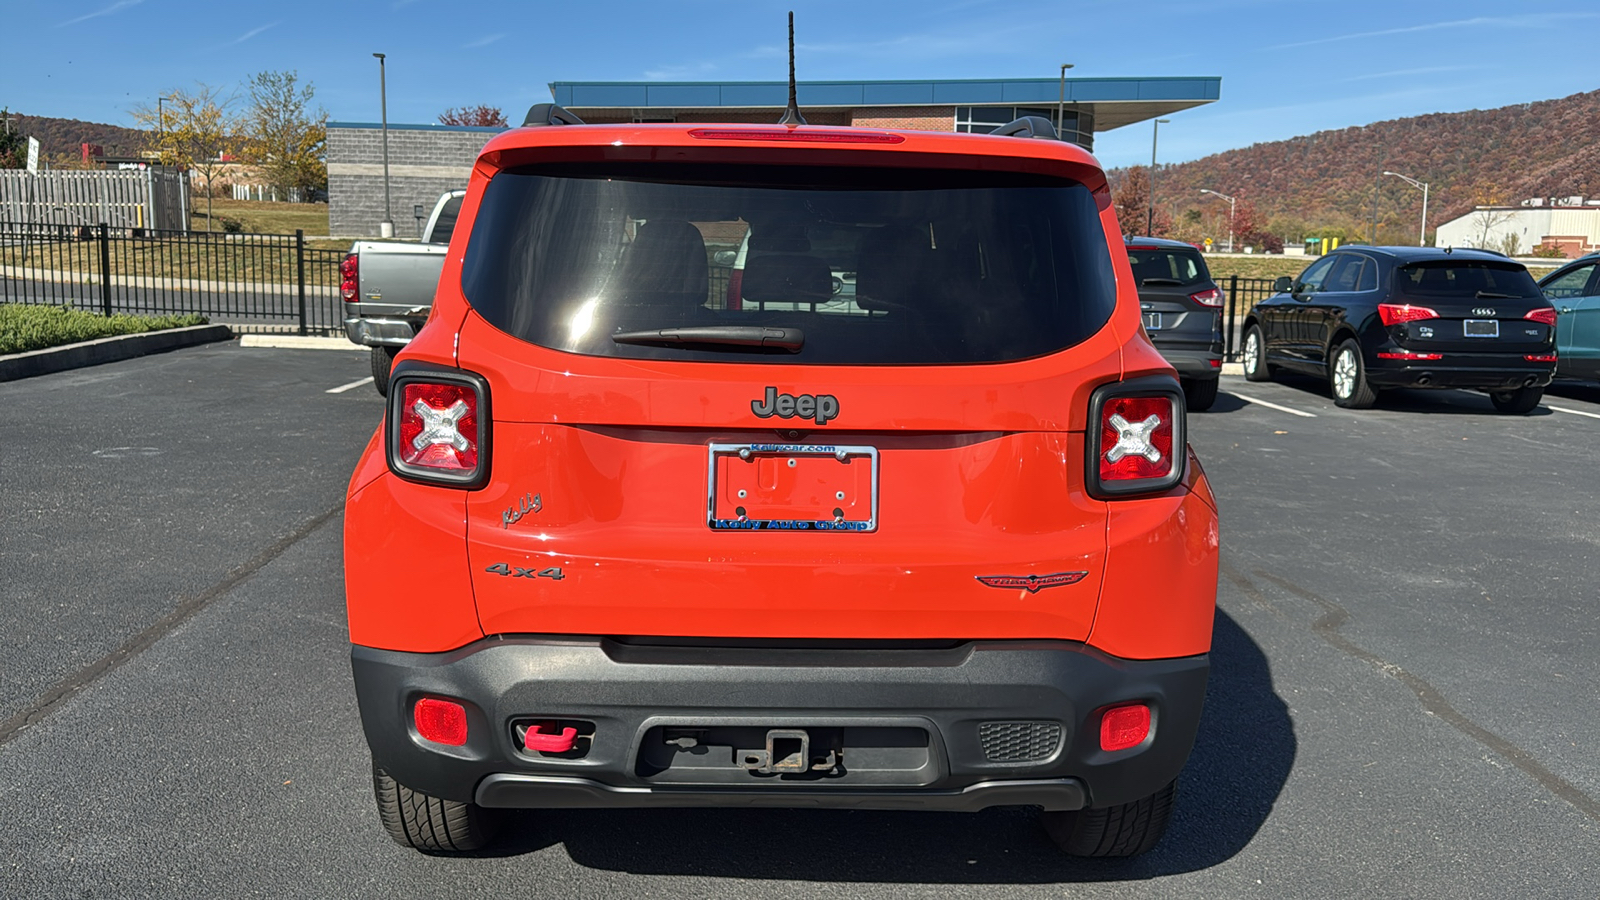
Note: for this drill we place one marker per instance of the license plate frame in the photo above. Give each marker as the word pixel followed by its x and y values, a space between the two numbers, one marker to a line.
pixel 844 453
pixel 1480 328
pixel 1152 321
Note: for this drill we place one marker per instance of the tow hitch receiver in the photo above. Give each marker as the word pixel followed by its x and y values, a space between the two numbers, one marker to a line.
pixel 788 751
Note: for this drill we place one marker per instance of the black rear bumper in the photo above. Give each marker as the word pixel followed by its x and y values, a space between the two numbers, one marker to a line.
pixel 906 723
pixel 1491 375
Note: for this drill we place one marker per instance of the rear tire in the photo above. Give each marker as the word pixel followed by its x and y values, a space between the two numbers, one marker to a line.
pixel 382 362
pixel 1255 355
pixel 1199 394
pixel 1519 402
pixel 1347 378
pixel 1126 830
pixel 430 824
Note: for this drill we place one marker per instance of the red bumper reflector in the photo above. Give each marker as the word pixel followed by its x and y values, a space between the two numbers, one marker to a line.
pixel 1540 357
pixel 796 134
pixel 1122 727
pixel 1404 354
pixel 1216 363
pixel 441 721
pixel 537 738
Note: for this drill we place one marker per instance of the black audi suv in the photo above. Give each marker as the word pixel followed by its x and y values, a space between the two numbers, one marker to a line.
pixel 1370 318
pixel 1182 310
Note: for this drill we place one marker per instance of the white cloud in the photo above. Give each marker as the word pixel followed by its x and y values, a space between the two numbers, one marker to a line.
pixel 113 8
pixel 251 33
pixel 1534 20
pixel 484 41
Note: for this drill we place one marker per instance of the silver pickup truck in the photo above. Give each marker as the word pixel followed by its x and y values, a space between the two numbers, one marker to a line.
pixel 387 287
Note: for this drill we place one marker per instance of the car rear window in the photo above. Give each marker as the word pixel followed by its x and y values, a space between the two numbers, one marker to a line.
pixel 1167 265
pixel 873 266
pixel 1465 279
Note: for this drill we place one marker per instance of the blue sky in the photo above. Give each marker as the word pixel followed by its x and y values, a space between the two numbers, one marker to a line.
pixel 1287 68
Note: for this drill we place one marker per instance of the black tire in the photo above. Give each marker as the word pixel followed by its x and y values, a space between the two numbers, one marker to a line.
pixel 1254 356
pixel 1347 378
pixel 430 824
pixel 382 362
pixel 1519 402
pixel 1126 830
pixel 1199 393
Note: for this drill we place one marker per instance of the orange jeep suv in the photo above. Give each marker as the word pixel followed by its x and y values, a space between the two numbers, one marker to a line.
pixel 662 515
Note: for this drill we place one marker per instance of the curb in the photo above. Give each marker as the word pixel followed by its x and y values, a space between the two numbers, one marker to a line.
pixel 104 350
pixel 297 342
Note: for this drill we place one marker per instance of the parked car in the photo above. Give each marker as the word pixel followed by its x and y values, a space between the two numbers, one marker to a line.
pixel 1373 318
pixel 1182 311
pixel 1575 291
pixel 621 541
pixel 387 286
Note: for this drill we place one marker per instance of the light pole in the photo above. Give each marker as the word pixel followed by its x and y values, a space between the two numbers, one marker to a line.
pixel 1422 238
pixel 161 122
pixel 1061 102
pixel 386 227
pixel 1150 217
pixel 1230 213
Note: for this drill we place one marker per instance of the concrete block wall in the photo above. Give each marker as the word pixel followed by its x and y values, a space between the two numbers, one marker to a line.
pixel 424 161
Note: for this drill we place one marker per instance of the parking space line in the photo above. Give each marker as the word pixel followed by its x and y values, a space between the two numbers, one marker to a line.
pixel 1574 412
pixel 345 387
pixel 1289 410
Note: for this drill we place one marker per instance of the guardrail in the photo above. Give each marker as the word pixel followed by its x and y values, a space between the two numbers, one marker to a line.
pixel 1242 293
pixel 260 279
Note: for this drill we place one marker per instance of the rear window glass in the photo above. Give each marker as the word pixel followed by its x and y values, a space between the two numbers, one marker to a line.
pixel 445 225
pixel 1465 278
pixel 1169 266
pixel 872 266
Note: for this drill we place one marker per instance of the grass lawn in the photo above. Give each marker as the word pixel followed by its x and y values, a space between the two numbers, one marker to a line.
pixel 24 328
pixel 261 216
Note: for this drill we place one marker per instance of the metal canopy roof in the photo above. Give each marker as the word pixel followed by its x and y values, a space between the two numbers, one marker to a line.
pixel 1115 101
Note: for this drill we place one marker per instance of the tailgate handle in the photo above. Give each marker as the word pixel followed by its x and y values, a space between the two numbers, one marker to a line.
pixel 536 739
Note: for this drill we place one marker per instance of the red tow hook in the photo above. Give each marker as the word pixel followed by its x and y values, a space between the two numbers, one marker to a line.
pixel 536 739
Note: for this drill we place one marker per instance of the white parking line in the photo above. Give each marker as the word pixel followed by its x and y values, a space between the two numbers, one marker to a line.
pixel 1292 412
pixel 345 387
pixel 1574 412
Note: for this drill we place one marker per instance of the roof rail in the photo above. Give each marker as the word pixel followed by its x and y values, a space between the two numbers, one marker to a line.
pixel 549 114
pixel 1029 127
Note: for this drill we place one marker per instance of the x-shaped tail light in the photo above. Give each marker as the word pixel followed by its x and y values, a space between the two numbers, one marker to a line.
pixel 1133 438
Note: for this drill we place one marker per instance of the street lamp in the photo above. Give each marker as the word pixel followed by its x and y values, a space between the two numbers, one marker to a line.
pixel 161 121
pixel 386 227
pixel 1422 238
pixel 1230 213
pixel 1150 217
pixel 1061 101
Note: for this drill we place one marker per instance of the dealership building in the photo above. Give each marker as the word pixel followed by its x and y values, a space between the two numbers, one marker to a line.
pixel 426 160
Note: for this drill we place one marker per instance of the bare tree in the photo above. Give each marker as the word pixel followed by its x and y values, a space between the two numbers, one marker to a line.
pixel 491 116
pixel 1486 220
pixel 282 135
pixel 194 130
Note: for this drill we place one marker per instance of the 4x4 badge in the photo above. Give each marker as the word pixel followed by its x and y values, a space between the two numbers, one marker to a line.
pixel 819 408
pixel 1032 583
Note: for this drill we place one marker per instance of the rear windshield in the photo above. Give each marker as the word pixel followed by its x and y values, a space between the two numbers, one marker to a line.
pixel 872 266
pixel 1164 265
pixel 1466 279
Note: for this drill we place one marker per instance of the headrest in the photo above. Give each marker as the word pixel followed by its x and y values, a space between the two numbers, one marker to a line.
pixel 668 256
pixel 787 279
pixel 893 262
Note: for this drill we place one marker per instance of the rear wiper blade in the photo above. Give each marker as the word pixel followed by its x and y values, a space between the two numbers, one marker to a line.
pixel 1160 281
pixel 733 336
pixel 1492 295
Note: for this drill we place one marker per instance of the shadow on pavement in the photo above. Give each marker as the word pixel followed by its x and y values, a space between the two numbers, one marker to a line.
pixel 1241 760
pixel 1437 401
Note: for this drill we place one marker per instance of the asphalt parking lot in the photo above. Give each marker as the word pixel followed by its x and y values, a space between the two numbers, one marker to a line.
pixel 1403 700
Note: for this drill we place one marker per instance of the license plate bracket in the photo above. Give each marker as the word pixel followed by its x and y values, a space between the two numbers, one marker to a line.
pixel 1480 328
pixel 792 487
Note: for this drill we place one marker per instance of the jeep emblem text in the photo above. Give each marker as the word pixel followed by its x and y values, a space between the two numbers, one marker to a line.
pixel 818 408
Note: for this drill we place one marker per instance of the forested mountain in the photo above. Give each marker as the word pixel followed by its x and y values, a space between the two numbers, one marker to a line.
pixel 1322 184
pixel 64 137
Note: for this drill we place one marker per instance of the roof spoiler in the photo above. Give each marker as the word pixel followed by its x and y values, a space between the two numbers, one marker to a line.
pixel 541 114
pixel 1029 127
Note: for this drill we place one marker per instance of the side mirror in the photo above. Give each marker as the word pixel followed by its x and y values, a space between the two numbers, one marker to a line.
pixel 1283 285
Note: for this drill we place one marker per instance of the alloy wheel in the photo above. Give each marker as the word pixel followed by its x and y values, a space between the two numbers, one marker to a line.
pixel 1344 374
pixel 1252 346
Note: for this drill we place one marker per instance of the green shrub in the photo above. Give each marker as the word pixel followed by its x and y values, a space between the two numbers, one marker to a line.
pixel 24 328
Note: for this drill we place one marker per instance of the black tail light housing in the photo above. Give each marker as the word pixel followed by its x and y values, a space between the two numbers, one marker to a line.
pixel 1137 437
pixel 437 427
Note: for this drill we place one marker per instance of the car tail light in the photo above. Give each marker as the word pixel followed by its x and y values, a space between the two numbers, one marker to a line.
pixel 1407 354
pixel 1122 727
pixel 1540 357
pixel 839 136
pixel 1212 297
pixel 441 721
pixel 1136 437
pixel 437 429
pixel 1544 316
pixel 350 278
pixel 1395 313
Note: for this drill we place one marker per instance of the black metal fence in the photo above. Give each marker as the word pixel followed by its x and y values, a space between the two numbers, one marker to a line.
pixel 1243 293
pixel 240 279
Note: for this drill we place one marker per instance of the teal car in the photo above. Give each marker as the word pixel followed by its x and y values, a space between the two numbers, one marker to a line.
pixel 1574 290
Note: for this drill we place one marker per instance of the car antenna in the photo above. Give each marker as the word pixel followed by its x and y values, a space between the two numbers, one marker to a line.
pixel 791 116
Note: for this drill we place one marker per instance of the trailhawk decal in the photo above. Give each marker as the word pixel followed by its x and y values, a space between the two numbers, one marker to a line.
pixel 1032 583
pixel 819 408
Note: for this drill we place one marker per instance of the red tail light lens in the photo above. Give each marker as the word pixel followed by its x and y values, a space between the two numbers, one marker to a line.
pixel 1212 297
pixel 441 721
pixel 1395 313
pixel 349 278
pixel 438 425
pixel 1545 316
pixel 1136 437
pixel 1122 727
pixel 1540 357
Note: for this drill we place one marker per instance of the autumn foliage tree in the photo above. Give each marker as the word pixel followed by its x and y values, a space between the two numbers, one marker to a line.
pixel 489 116
pixel 194 129
pixel 1130 195
pixel 13 147
pixel 283 136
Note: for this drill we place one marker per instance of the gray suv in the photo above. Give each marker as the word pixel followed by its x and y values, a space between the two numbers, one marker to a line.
pixel 1182 311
